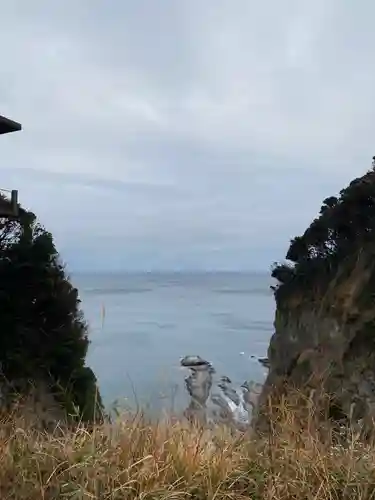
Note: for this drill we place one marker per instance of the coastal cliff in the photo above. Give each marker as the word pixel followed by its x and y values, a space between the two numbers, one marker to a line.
pixel 324 338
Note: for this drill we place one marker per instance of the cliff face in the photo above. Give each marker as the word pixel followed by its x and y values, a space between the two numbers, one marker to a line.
pixel 324 336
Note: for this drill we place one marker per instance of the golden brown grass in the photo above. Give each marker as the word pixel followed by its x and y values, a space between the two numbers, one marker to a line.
pixel 133 459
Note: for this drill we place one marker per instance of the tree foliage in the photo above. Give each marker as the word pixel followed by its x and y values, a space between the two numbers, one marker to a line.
pixel 43 332
pixel 344 227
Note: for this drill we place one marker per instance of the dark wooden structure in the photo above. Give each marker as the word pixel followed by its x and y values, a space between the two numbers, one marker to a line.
pixel 7 125
pixel 9 208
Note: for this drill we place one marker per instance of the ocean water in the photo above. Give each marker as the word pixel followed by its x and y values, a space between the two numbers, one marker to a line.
pixel 142 324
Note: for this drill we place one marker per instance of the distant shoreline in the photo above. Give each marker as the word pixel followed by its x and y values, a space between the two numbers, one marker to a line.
pixel 167 272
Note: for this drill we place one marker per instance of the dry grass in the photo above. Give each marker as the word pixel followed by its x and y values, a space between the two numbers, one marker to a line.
pixel 131 459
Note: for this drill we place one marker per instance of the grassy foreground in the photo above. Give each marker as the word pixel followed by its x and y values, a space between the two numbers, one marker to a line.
pixel 130 459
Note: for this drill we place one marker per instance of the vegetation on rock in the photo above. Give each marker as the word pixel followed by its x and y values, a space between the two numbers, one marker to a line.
pixel 44 335
pixel 325 315
pixel 333 245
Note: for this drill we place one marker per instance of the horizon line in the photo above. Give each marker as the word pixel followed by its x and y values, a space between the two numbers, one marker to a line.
pixel 166 271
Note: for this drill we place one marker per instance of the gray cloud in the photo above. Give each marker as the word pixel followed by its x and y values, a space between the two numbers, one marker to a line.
pixel 184 134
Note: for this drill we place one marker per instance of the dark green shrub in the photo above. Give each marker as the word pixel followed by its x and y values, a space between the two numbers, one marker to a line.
pixel 43 332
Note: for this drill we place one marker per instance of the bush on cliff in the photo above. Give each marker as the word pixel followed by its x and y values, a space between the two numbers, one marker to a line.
pixel 44 335
pixel 344 227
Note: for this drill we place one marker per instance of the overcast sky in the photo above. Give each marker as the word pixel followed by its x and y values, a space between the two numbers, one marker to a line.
pixel 184 134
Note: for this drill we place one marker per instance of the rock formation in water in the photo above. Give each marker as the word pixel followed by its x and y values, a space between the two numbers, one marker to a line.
pixel 217 401
pixel 324 335
pixel 198 385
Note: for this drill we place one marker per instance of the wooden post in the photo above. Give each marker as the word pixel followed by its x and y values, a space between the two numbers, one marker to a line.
pixel 9 208
pixel 14 202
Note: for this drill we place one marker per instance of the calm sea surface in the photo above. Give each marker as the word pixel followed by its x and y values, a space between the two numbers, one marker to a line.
pixel 142 324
